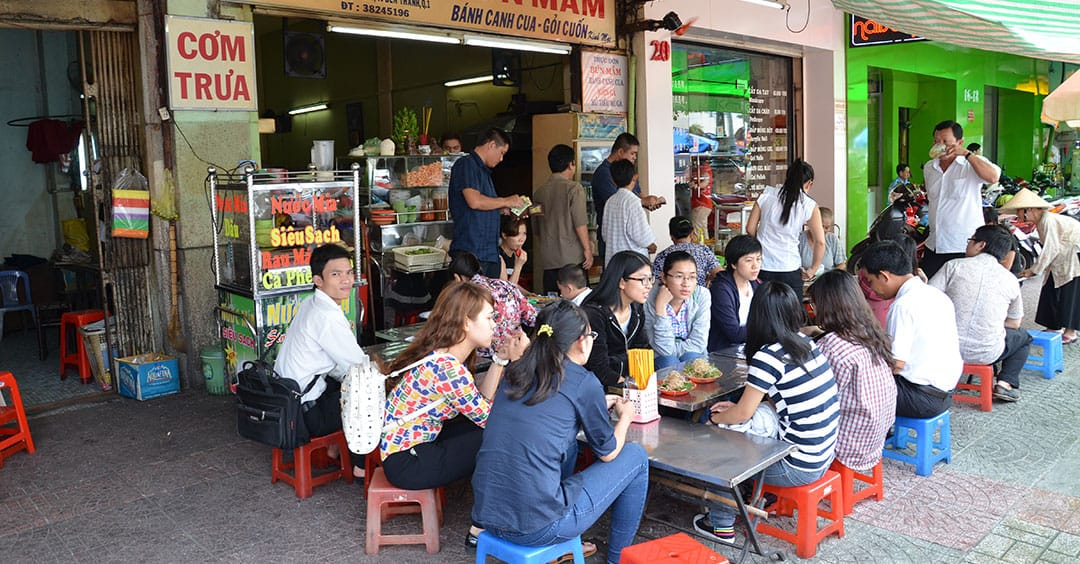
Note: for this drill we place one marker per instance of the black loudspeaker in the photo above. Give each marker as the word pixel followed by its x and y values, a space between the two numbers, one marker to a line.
pixel 354 123
pixel 305 55
pixel 505 67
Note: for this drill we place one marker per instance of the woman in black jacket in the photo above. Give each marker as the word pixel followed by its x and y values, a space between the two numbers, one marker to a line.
pixel 615 312
pixel 732 291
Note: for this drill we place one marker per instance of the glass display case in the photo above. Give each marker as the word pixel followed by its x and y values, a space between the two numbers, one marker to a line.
pixel 265 227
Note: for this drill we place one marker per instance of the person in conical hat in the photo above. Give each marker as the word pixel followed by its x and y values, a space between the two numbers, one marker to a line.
pixel 1059 301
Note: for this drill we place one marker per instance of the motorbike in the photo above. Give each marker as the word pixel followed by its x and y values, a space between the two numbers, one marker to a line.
pixel 906 214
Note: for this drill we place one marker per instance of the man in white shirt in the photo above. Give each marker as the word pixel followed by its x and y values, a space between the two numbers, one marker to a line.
pixel 573 283
pixel 922 323
pixel 954 188
pixel 989 308
pixel 625 227
pixel 319 343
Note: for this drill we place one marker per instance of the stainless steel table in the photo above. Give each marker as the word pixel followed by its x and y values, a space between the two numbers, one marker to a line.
pixel 717 457
pixel 704 395
pixel 399 334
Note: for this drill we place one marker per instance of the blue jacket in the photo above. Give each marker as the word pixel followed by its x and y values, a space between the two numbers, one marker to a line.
pixel 725 330
pixel 661 333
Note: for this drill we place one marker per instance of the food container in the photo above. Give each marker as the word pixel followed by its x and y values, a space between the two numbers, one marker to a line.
pixel 419 256
pixel 645 401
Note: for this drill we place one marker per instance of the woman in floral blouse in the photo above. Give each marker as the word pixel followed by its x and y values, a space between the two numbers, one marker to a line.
pixel 512 309
pixel 420 447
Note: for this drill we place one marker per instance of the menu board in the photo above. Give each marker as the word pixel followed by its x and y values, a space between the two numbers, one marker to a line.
pixel 766 137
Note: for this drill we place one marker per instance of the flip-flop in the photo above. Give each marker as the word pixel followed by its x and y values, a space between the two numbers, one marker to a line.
pixel 1067 341
pixel 587 548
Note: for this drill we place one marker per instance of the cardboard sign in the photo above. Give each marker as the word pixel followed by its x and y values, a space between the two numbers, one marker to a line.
pixel 603 82
pixel 211 64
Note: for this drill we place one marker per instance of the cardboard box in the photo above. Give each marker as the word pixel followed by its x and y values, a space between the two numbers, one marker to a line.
pixel 148 376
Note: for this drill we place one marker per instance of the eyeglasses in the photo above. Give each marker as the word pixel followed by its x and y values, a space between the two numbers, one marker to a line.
pixel 646 281
pixel 682 278
pixel 591 334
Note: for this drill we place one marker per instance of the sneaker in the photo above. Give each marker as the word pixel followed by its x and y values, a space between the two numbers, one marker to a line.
pixel 1006 394
pixel 724 535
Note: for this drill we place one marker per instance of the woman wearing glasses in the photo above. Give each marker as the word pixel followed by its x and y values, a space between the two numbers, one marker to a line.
pixel 677 312
pixel 525 488
pixel 615 312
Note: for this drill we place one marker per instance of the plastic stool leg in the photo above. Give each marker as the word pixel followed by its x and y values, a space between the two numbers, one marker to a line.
pixel 946 439
pixel 302 458
pixel 924 455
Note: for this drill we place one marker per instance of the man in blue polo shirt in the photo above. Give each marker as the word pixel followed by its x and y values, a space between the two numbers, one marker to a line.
pixel 475 205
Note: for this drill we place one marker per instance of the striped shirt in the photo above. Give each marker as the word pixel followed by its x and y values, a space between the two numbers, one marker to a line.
pixel 867 401
pixel 805 402
pixel 626 227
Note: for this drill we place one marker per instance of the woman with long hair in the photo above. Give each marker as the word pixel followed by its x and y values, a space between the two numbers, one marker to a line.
pixel 512 308
pixel 525 489
pixel 859 353
pixel 428 450
pixel 615 312
pixel 732 292
pixel 791 370
pixel 777 219
pixel 677 312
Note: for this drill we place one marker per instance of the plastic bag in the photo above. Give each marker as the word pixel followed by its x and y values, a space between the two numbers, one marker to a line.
pixel 130 205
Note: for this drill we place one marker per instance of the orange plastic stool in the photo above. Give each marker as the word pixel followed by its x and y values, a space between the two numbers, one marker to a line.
pixel 13 439
pixel 385 501
pixel 985 387
pixel 805 500
pixel 674 548
pixel 69 328
pixel 848 476
pixel 306 456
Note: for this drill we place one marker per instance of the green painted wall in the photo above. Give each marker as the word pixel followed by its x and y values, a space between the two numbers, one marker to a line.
pixel 932 79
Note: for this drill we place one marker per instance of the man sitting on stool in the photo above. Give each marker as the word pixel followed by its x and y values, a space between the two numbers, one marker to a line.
pixel 922 323
pixel 989 308
pixel 319 344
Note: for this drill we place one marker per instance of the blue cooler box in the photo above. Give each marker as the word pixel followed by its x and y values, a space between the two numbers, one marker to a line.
pixel 148 376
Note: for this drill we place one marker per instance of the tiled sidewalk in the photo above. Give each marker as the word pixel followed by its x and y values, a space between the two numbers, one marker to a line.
pixel 169 481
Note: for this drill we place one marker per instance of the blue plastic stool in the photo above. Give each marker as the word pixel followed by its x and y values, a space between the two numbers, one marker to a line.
pixel 927 451
pixel 488 544
pixel 1052 358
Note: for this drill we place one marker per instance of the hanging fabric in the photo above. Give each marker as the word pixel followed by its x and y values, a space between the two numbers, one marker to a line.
pixel 131 206
pixel 47 139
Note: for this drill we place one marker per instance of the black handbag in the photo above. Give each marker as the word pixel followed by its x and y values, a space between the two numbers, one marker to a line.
pixel 268 407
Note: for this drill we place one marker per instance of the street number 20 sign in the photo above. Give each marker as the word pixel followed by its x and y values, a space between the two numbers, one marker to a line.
pixel 661 50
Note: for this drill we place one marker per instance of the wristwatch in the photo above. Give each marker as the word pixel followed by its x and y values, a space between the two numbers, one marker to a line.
pixel 499 361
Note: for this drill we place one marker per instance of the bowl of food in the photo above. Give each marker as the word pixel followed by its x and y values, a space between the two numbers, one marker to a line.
pixel 700 371
pixel 676 384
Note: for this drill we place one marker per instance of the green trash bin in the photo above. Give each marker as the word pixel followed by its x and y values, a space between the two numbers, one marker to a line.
pixel 213 368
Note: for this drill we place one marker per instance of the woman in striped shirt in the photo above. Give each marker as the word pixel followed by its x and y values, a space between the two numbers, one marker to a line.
pixel 788 367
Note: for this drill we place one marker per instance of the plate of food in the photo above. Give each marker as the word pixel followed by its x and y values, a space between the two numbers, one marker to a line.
pixel 700 371
pixel 676 384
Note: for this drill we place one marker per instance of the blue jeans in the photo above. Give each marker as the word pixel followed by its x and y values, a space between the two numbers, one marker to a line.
pixel 620 484
pixel 781 474
pixel 666 360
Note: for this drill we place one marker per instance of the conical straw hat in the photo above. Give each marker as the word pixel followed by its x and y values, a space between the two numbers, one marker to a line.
pixel 1025 199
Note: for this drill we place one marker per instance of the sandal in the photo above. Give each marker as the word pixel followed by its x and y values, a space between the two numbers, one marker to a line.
pixel 587 548
pixel 1068 341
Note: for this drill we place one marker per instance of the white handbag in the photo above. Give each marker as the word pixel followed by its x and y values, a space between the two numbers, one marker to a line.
pixel 363 404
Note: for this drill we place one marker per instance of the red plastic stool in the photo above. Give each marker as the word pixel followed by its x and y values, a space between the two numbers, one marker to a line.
pixel 69 328
pixel 876 482
pixel 985 387
pixel 306 456
pixel 805 500
pixel 372 461
pixel 674 548
pixel 13 439
pixel 385 501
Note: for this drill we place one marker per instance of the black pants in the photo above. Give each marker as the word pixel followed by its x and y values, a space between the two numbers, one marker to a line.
pixel 449 458
pixel 1017 345
pixel 324 417
pixel 932 262
pixel 551 279
pixel 913 400
pixel 793 279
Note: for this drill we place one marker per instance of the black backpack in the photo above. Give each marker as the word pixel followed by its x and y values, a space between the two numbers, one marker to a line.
pixel 268 407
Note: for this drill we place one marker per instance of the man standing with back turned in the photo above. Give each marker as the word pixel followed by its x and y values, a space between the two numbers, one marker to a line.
pixel 563 229
pixel 954 178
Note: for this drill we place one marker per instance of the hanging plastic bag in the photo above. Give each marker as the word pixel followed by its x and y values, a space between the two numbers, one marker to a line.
pixel 131 205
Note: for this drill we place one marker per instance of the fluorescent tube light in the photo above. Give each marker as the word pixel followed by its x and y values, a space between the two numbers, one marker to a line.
pixel 473 80
pixel 307 109
pixel 394 34
pixel 534 46
pixel 778 4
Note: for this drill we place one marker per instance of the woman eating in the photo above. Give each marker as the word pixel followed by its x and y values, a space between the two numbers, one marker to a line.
pixel 732 291
pixel 677 312
pixel 615 312
pixel 777 220
pixel 429 450
pixel 525 488
pixel 512 255
pixel 791 370
pixel 859 353
pixel 1059 300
